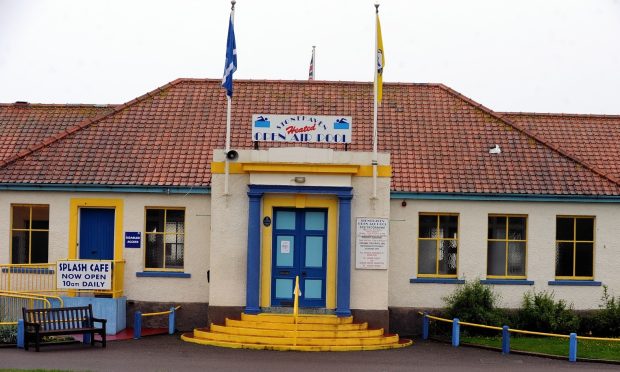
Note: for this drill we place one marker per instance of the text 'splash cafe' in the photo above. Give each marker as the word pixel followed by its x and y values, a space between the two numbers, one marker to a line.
pixel 219 203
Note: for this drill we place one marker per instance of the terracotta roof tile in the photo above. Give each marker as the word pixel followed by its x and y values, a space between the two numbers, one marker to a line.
pixel 439 140
pixel 594 139
pixel 24 125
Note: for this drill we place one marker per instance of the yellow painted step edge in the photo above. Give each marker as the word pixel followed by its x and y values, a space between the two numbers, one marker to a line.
pixel 296 333
pixel 302 319
pixel 301 327
pixel 188 337
pixel 298 341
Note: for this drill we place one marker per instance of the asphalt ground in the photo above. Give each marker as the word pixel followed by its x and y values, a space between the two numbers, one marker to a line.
pixel 169 353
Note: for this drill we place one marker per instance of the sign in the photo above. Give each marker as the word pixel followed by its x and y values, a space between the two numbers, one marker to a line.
pixel 371 243
pixel 301 128
pixel 84 274
pixel 133 239
pixel 267 221
pixel 285 247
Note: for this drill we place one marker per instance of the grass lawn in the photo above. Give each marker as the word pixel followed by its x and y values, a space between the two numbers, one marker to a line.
pixel 553 346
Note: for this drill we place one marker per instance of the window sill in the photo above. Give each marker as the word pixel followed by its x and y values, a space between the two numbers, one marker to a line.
pixel 577 283
pixel 507 282
pixel 437 280
pixel 27 270
pixel 162 274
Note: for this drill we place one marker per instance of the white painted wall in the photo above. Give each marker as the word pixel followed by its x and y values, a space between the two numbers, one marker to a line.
pixel 472 255
pixel 197 236
pixel 229 237
pixel 369 288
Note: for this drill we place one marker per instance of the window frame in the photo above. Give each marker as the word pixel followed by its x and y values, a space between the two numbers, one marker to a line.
pixel 507 241
pixel 574 242
pixel 29 230
pixel 437 244
pixel 146 235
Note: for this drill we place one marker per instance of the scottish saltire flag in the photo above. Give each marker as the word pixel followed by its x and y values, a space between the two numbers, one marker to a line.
pixel 230 65
pixel 380 62
pixel 311 70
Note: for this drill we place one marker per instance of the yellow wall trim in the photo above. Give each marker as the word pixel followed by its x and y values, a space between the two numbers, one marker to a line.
pixel 353 169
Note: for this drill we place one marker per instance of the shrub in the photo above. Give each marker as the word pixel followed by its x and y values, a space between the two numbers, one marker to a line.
pixel 475 303
pixel 607 320
pixel 8 334
pixel 541 312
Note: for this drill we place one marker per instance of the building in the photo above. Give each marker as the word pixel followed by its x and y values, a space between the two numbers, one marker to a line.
pixel 518 201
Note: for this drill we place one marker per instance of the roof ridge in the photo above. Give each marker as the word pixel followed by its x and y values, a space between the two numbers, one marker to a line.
pixel 534 136
pixel 610 116
pixel 88 105
pixel 85 123
pixel 327 82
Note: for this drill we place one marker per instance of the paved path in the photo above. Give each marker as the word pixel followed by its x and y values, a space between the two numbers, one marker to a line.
pixel 169 353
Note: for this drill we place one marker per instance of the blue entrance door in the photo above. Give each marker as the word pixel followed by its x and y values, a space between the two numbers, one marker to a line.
pixel 299 249
pixel 96 234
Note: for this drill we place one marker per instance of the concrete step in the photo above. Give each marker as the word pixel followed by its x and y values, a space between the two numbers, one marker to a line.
pixel 308 341
pixel 189 337
pixel 301 319
pixel 300 327
pixel 249 331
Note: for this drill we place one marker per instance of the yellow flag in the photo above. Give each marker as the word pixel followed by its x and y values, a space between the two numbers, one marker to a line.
pixel 380 62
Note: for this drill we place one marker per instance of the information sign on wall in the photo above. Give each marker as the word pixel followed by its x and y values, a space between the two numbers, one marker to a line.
pixel 301 128
pixel 132 239
pixel 84 274
pixel 371 243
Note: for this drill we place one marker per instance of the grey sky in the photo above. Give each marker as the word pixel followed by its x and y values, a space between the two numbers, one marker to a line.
pixel 509 55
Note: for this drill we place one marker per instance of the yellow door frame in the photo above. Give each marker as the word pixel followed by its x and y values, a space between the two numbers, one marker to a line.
pixel 271 201
pixel 77 203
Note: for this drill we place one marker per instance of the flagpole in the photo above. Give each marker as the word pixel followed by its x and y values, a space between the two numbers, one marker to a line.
pixel 374 126
pixel 228 118
pixel 313 63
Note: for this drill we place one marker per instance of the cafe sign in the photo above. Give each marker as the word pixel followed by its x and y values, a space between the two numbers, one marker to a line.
pixel 301 128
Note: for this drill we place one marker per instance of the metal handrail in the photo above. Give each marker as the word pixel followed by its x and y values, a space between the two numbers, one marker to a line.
pixel 161 312
pixel 521 331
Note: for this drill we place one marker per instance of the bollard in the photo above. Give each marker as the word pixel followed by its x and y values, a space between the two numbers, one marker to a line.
pixel 572 348
pixel 137 325
pixel 20 333
pixel 456 329
pixel 505 340
pixel 425 326
pixel 171 317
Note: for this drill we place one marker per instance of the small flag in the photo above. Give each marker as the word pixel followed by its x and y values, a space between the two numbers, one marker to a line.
pixel 311 70
pixel 230 65
pixel 380 61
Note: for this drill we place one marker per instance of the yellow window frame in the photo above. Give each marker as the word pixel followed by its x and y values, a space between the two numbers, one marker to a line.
pixel 164 233
pixel 437 244
pixel 574 242
pixel 506 242
pixel 29 229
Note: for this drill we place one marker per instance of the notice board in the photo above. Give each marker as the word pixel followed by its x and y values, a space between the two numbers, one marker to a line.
pixel 371 243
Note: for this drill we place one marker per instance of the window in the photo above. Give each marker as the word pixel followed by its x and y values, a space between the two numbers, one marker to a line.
pixel 165 239
pixel 506 247
pixel 574 247
pixel 437 245
pixel 29 233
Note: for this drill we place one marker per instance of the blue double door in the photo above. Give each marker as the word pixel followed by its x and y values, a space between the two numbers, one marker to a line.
pixel 299 249
pixel 96 234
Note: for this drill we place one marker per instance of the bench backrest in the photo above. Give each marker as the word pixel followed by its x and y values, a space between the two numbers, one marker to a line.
pixel 62 318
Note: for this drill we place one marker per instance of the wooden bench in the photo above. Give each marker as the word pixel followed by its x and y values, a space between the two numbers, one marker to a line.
pixel 61 321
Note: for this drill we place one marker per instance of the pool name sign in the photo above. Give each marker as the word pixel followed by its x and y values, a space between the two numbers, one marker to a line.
pixel 301 128
pixel 84 274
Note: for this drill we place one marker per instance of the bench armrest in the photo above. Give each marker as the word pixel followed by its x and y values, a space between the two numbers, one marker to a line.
pixel 36 326
pixel 99 320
